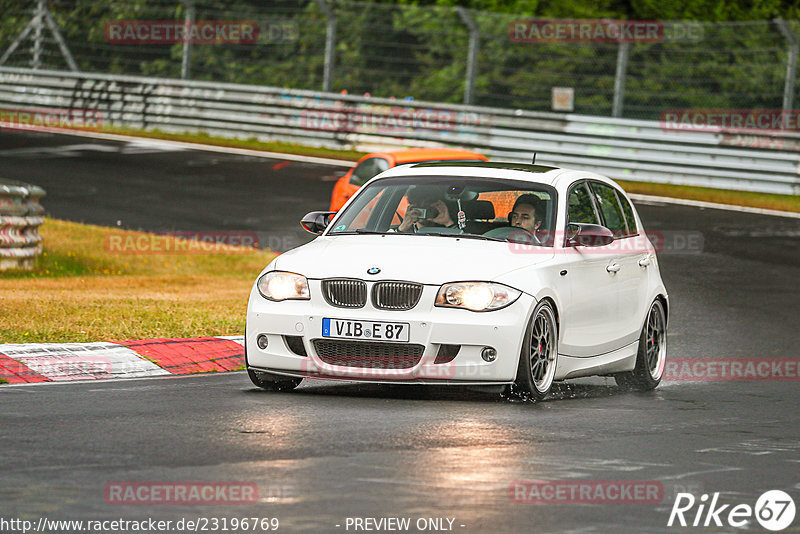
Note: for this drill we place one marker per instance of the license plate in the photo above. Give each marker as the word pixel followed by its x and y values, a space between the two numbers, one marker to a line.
pixel 372 330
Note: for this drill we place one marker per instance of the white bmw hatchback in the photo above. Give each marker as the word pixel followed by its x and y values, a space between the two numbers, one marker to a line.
pixel 466 274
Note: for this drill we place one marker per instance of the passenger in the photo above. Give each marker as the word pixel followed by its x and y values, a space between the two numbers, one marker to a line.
pixel 438 212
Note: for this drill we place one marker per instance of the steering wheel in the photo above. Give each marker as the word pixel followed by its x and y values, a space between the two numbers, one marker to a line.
pixel 514 235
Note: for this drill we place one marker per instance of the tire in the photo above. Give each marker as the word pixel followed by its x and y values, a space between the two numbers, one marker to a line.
pixel 273 382
pixel 270 381
pixel 539 356
pixel 652 354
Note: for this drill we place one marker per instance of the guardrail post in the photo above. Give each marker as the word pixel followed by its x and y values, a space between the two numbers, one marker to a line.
pixel 791 67
pixel 41 16
pixel 330 45
pixel 472 54
pixel 38 26
pixel 186 58
pixel 619 79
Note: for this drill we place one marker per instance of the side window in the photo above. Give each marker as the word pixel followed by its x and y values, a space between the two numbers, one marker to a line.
pixel 609 207
pixel 628 211
pixel 579 205
pixel 368 168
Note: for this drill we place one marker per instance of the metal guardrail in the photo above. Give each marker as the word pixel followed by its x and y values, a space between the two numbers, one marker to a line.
pixel 20 218
pixel 620 148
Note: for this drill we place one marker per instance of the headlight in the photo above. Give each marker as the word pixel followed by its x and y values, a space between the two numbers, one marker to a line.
pixel 279 285
pixel 476 296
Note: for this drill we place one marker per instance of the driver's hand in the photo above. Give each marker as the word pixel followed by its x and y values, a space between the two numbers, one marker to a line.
pixel 523 236
pixel 412 216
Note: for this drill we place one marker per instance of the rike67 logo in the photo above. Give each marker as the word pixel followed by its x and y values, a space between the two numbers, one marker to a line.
pixel 774 510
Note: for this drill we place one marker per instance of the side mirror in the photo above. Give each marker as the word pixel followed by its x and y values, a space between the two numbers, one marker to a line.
pixel 316 221
pixel 588 235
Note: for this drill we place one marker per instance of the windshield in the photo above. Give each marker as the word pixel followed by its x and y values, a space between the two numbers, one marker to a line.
pixel 446 206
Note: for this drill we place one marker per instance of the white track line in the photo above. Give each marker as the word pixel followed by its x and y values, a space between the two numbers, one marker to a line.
pixel 184 145
pixel 714 205
pixel 343 163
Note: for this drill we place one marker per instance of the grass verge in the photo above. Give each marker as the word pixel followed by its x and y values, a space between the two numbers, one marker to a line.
pixel 82 290
pixel 721 196
pixel 250 143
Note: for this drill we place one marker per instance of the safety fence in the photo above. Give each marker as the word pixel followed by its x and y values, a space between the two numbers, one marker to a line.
pixel 663 152
pixel 621 68
pixel 20 218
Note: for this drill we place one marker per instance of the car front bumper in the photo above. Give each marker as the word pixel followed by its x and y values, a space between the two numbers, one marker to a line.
pixel 429 327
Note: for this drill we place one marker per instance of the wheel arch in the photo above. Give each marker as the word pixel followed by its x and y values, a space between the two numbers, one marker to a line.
pixel 664 302
pixel 552 302
pixel 539 300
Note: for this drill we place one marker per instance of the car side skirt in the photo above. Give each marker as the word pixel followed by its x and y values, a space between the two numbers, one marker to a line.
pixel 616 361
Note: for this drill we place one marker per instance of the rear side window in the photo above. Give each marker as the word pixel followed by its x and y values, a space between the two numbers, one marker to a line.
pixel 580 205
pixel 609 207
pixel 367 169
pixel 627 209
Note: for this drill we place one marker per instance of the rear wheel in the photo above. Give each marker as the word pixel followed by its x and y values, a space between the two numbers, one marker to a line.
pixel 652 354
pixel 537 362
pixel 273 382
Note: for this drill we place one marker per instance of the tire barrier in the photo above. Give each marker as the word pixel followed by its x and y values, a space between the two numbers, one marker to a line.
pixel 21 215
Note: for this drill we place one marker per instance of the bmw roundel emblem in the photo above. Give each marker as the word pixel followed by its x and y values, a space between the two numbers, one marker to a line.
pixel 373 270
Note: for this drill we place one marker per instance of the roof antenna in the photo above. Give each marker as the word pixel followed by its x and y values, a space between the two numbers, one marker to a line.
pixel 533 162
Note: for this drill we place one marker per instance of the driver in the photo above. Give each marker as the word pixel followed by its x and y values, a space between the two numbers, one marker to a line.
pixel 528 214
pixel 438 212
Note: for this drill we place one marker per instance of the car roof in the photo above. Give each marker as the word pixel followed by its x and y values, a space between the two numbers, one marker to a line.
pixel 428 154
pixel 557 177
pixel 517 171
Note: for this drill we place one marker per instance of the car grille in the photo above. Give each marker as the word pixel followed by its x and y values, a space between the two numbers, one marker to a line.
pixel 396 295
pixel 367 354
pixel 344 293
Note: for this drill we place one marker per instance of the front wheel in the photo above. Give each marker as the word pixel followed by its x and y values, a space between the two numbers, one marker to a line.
pixel 652 354
pixel 269 381
pixel 537 362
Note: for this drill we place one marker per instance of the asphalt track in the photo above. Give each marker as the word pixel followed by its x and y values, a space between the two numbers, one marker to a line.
pixel 327 452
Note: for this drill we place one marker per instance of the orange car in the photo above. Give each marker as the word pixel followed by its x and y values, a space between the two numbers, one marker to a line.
pixel 377 162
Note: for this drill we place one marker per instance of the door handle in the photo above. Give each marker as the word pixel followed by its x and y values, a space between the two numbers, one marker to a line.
pixel 644 262
pixel 612 268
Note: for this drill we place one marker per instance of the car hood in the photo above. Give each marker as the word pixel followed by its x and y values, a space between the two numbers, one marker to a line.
pixel 428 259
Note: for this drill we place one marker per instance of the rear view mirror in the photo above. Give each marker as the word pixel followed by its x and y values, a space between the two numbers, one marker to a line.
pixel 588 235
pixel 316 221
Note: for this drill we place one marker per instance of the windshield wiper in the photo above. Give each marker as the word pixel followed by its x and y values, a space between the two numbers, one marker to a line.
pixel 365 231
pixel 470 236
pixel 358 231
